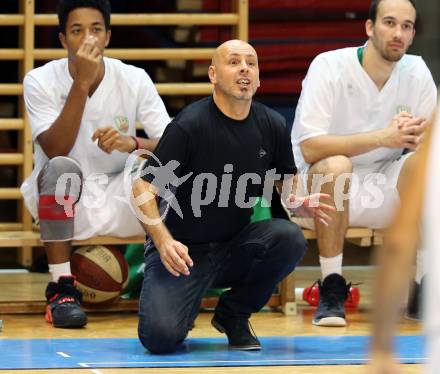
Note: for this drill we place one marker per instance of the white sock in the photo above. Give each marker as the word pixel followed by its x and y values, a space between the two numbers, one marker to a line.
pixel 331 265
pixel 420 265
pixel 57 270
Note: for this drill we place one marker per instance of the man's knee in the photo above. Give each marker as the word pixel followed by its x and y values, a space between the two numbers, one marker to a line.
pixel 59 186
pixel 294 244
pixel 57 170
pixel 160 336
pixel 334 171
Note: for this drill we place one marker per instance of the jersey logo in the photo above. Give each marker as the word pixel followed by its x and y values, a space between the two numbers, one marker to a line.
pixel 121 123
pixel 403 108
pixel 262 153
pixel 351 89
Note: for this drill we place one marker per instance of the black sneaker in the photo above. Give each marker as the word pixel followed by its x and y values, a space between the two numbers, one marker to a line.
pixel 333 292
pixel 239 331
pixel 63 309
pixel 415 301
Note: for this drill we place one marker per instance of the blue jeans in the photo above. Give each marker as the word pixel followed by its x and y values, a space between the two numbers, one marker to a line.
pixel 252 263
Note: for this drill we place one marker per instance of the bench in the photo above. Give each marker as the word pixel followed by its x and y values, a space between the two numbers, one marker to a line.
pixel 283 299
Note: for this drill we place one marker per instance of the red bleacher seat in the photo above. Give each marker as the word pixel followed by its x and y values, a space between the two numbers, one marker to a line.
pixel 298 30
pixel 288 34
pixel 316 5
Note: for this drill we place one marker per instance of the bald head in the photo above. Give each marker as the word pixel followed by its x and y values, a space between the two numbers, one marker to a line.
pixel 234 73
pixel 231 47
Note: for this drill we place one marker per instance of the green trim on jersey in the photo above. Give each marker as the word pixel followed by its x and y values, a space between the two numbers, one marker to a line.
pixel 360 53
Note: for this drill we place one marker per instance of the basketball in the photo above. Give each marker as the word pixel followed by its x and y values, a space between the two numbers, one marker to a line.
pixel 101 273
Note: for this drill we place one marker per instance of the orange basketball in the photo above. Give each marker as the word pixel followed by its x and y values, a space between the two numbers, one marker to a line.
pixel 101 273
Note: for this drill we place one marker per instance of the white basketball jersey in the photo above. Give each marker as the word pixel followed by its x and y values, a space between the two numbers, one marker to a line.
pixel 338 97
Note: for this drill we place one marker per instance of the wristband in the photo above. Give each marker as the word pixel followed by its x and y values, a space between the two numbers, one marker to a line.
pixel 137 143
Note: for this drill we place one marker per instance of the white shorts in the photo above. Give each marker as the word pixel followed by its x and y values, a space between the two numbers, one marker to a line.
pixel 106 211
pixel 104 208
pixel 373 196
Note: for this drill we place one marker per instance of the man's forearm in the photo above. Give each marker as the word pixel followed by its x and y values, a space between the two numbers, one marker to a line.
pixel 324 146
pixel 285 188
pixel 397 255
pixel 59 139
pixel 395 260
pixel 148 144
pixel 151 220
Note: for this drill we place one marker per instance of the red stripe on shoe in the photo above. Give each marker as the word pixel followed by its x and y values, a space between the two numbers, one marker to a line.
pixel 53 297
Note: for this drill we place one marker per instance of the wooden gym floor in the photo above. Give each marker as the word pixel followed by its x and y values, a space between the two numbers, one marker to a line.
pixel 31 286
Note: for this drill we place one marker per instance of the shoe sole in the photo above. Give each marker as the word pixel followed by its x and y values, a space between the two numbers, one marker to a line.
pixel 221 329
pixel 412 318
pixel 330 322
pixel 247 348
pixel 72 323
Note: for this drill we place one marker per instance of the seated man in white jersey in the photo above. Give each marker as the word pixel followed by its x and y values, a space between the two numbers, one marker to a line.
pixel 83 111
pixel 359 109
pixel 420 200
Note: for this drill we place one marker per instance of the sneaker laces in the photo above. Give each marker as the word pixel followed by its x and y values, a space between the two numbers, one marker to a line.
pixel 333 294
pixel 252 330
pixel 244 325
pixel 63 289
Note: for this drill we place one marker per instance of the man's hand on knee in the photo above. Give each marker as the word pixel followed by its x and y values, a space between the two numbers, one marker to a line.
pixel 174 256
pixel 311 206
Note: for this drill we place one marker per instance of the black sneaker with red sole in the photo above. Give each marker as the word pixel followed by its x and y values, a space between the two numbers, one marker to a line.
pixel 64 300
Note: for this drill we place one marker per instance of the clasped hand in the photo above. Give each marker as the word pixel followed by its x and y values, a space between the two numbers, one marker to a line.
pixel 405 131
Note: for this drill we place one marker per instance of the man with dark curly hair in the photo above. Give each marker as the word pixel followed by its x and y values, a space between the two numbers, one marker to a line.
pixel 83 111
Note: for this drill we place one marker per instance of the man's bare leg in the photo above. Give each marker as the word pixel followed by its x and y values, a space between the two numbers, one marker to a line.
pixel 58 257
pixel 331 237
pixel 333 289
pixel 415 297
pixel 57 229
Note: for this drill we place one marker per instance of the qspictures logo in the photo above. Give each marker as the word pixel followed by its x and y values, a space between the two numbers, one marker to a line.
pixel 208 188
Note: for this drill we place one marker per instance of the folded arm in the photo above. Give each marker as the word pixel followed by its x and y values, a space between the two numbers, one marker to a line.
pixel 404 131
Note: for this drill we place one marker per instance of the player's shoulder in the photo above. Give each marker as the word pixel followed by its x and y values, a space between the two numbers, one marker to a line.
pixel 412 64
pixel 270 115
pixel 194 119
pixel 336 60
pixel 47 72
pixel 191 115
pixel 121 70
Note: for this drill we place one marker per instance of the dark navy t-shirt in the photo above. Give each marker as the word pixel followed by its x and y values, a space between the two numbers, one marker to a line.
pixel 228 160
